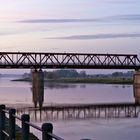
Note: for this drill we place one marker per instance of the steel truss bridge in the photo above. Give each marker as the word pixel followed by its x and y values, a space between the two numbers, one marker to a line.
pixel 26 60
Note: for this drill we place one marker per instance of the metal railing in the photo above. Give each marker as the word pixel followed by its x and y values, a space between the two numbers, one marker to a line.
pixel 46 129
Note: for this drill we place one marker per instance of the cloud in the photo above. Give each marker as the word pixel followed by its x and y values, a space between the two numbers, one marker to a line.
pixel 132 17
pixel 57 20
pixel 98 36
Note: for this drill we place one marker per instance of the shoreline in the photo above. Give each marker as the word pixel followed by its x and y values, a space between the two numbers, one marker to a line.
pixel 84 80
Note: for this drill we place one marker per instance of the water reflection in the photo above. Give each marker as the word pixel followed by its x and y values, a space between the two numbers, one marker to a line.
pixel 53 85
pixel 38 95
pixel 85 93
pixel 81 111
pixel 123 86
pixel 20 93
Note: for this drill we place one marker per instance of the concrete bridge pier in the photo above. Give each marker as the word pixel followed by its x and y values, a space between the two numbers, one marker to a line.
pixel 38 87
pixel 136 86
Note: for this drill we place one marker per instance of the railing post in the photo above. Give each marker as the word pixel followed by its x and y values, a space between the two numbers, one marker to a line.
pixel 2 122
pixel 47 128
pixel 12 124
pixel 25 127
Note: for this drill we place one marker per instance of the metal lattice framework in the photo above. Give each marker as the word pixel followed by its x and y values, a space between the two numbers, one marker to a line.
pixel 25 60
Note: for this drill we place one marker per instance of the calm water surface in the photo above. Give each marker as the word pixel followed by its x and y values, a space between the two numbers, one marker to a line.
pixel 21 92
pixel 95 129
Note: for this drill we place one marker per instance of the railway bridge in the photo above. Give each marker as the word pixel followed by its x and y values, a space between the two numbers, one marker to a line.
pixel 38 61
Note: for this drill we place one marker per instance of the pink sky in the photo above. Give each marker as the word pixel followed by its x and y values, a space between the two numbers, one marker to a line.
pixel 70 26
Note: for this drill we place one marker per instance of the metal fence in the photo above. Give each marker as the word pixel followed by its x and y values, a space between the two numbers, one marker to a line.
pixel 46 129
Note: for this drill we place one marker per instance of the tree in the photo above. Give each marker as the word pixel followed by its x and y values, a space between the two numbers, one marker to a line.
pixel 82 74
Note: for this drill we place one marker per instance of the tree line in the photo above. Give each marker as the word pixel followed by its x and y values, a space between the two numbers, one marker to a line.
pixel 57 74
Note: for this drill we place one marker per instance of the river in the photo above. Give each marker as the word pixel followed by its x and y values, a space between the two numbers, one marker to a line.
pixel 20 93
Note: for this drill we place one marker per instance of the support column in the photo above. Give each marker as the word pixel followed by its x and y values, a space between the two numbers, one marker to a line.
pixel 136 86
pixel 38 87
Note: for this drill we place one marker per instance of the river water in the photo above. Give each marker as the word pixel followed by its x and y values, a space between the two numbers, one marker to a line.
pixel 20 93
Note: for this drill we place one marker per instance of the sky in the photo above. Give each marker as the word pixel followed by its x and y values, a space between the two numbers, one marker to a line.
pixel 81 26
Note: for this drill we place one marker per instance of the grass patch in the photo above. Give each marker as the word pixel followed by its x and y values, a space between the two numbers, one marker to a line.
pixel 93 80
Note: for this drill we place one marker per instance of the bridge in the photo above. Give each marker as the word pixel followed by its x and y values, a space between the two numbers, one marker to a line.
pixel 38 61
pixel 25 60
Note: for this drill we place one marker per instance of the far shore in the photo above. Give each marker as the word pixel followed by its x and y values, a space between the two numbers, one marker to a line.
pixel 110 80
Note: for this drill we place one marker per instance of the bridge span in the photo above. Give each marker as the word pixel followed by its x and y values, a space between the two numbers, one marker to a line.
pixel 36 60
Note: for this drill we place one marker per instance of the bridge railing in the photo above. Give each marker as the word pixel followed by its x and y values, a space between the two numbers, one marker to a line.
pixel 10 131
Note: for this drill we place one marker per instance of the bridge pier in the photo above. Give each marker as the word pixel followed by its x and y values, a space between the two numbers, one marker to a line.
pixel 38 87
pixel 136 86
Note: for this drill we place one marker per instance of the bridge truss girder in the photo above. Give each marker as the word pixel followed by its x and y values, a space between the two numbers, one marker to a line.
pixel 23 60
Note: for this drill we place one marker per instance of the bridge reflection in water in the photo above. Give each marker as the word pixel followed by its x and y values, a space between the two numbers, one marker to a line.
pixel 82 111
